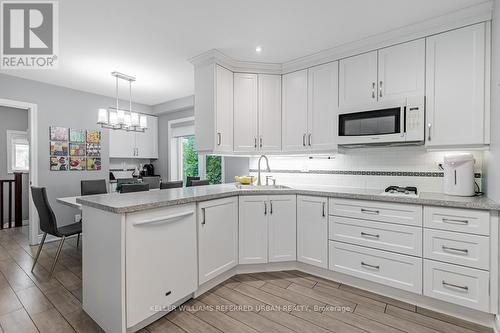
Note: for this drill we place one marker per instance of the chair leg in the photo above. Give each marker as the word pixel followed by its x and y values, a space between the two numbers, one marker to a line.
pixel 39 250
pixel 78 241
pixel 59 248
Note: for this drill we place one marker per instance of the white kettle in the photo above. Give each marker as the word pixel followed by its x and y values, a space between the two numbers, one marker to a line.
pixel 459 175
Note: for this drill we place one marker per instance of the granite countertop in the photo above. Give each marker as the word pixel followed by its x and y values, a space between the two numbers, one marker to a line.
pixel 133 202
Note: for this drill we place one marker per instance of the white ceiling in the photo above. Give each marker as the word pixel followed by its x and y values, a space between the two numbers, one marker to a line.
pixel 152 39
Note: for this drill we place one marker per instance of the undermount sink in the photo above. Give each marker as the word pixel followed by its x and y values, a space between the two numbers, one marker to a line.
pixel 261 187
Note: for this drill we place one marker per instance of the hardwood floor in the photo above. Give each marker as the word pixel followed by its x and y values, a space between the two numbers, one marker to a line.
pixel 281 302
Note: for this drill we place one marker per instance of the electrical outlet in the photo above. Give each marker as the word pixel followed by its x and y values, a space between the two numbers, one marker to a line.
pixel 78 217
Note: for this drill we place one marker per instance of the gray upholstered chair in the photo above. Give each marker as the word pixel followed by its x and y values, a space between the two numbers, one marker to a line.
pixel 200 182
pixel 171 184
pixel 91 187
pixel 48 224
pixel 189 180
pixel 153 181
pixel 139 187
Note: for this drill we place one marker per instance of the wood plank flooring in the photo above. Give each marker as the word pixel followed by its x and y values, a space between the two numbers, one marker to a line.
pixel 281 302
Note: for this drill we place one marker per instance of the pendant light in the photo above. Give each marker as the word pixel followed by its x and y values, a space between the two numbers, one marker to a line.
pixel 120 119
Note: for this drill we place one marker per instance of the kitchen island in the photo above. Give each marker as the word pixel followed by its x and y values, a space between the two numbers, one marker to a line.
pixel 145 253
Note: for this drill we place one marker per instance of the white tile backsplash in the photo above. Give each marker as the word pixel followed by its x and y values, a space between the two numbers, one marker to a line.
pixel 405 159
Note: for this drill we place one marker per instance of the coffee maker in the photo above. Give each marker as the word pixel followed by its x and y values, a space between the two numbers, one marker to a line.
pixel 148 170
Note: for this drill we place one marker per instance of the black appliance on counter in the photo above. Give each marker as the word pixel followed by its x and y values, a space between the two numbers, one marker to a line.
pixel 148 170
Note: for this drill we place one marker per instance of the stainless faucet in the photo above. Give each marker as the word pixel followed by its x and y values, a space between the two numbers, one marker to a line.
pixel 259 183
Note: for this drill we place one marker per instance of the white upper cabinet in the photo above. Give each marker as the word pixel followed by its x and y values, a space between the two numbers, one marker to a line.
pixel 123 144
pixel 217 237
pixel 269 113
pixel 245 112
pixel 294 124
pixel 323 104
pixel 213 108
pixel 147 141
pixel 358 80
pixel 455 87
pixel 390 73
pixel 282 228
pixel 257 113
pixel 401 70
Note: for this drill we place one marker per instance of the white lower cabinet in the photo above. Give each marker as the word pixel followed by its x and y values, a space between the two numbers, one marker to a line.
pixel 392 269
pixel 312 230
pixel 267 228
pixel 217 237
pixel 456 284
pixel 282 228
pixel 160 259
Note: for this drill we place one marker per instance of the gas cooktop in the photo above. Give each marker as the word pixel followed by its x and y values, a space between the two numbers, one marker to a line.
pixel 408 191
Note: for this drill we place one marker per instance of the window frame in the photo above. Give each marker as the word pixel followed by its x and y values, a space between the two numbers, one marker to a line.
pixel 12 137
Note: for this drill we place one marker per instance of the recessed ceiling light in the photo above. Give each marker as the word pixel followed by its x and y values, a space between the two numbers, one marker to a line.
pixel 258 49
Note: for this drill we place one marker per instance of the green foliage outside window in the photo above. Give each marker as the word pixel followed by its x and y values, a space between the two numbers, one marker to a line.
pixel 190 162
pixel 213 171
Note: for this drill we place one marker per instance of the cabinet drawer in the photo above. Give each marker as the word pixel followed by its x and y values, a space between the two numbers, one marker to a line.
pixel 395 270
pixel 456 284
pixel 377 211
pixel 385 236
pixel 457 219
pixel 456 248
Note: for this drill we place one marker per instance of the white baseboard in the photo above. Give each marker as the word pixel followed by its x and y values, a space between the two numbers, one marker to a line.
pixel 496 324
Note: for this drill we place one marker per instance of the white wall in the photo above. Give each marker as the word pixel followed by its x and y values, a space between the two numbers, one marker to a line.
pixel 58 106
pixel 322 171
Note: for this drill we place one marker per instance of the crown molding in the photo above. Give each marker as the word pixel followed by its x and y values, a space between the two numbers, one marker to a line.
pixel 460 18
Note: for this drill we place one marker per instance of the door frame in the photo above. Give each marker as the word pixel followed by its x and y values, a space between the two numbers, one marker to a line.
pixel 32 109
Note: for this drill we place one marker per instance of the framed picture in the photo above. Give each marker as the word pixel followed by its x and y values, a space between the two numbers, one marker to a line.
pixel 93 136
pixel 77 163
pixel 58 163
pixel 58 148
pixel 93 164
pixel 93 149
pixel 77 149
pixel 77 135
pixel 58 133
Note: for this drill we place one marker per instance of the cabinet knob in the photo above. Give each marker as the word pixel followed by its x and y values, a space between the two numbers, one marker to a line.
pixel 429 125
pixel 168 292
pixel 373 90
pixel 380 89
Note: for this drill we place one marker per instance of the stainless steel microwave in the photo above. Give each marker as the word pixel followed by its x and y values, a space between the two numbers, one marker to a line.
pixel 392 122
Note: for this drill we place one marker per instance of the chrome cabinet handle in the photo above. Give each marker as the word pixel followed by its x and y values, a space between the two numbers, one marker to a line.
pixel 260 142
pixel 369 211
pixel 429 125
pixel 454 221
pixel 373 89
pixel 454 249
pixel 255 142
pixel 304 140
pixel 271 207
pixel 265 208
pixel 447 284
pixel 219 139
pixel 310 139
pixel 377 267
pixel 364 234
pixel 203 221
pixel 323 213
pixel 380 89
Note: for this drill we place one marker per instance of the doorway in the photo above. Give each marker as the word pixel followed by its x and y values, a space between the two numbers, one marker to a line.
pixel 21 152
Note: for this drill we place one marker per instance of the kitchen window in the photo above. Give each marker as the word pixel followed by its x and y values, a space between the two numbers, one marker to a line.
pixel 185 160
pixel 18 151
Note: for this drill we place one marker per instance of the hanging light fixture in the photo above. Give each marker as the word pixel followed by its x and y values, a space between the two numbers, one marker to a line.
pixel 119 119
